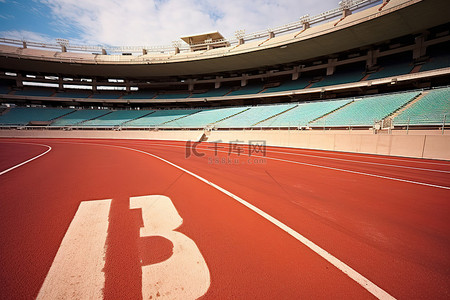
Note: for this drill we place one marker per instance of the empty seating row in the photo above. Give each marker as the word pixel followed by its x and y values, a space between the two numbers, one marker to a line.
pixel 387 69
pixel 205 117
pixel 79 116
pixel 366 111
pixel 25 115
pixel 253 115
pixel 432 109
pixel 303 114
pixel 116 118
pixel 160 117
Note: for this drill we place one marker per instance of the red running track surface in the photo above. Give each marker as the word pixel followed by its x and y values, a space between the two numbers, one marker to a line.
pixel 385 217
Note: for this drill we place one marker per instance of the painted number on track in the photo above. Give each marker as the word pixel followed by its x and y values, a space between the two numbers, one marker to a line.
pixel 185 274
pixel 77 269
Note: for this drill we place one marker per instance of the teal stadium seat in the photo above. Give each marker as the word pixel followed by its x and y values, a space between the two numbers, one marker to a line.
pixel 365 111
pixel 105 95
pixel 160 117
pixel 205 117
pixel 74 94
pixel 253 115
pixel 116 118
pixel 340 78
pixel 437 62
pixel 303 114
pixel 4 89
pixel 249 89
pixel 140 95
pixel 79 116
pixel 39 92
pixel 25 115
pixel 393 66
pixel 222 91
pixel 290 85
pixel 172 96
pixel 432 109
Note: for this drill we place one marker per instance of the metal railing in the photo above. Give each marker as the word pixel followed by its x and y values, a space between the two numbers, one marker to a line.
pixel 263 34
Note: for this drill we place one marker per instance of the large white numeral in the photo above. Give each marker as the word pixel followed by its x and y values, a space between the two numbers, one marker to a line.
pixel 77 270
pixel 185 274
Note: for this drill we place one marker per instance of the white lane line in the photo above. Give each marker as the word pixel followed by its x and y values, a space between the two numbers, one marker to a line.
pixel 27 161
pixel 77 270
pixel 335 169
pixel 361 173
pixel 350 272
pixel 325 157
pixel 384 157
pixel 362 155
pixel 362 162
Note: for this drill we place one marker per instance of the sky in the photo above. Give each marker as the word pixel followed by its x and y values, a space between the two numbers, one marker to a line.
pixel 145 22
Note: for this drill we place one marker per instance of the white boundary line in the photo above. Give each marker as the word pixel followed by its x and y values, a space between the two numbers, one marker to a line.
pixel 362 162
pixel 362 173
pixel 350 272
pixel 27 161
pixel 331 158
pixel 331 168
pixel 365 155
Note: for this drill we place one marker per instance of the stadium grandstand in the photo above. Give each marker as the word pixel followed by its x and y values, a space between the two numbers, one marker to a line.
pixel 372 66
pixel 306 161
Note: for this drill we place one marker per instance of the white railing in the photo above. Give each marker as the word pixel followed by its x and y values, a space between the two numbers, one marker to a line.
pixel 345 4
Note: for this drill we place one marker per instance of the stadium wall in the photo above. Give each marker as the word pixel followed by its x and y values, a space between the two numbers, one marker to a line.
pixel 428 144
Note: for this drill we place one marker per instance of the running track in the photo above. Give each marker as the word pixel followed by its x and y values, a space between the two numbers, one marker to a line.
pixel 386 218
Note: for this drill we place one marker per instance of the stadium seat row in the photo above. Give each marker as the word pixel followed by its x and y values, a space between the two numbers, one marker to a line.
pixel 413 108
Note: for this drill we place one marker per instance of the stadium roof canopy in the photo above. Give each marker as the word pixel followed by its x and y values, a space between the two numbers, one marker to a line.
pixel 359 30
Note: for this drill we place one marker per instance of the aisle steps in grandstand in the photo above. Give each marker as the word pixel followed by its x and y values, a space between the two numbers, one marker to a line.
pixel 366 111
pixel 276 115
pixel 159 117
pixel 126 122
pixel 331 112
pixel 340 78
pixel 219 92
pixel 232 115
pixel 388 121
pixel 79 116
pixel 205 117
pixel 416 69
pixel 101 116
pixel 4 110
pixel 175 120
pixel 253 115
pixel 24 115
pixel 249 89
pixel 432 109
pixel 290 85
pixel 413 107
pixel 437 62
pixel 395 69
pixel 115 118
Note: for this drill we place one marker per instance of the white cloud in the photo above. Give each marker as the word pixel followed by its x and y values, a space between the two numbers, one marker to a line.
pixel 158 22
pixel 26 36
